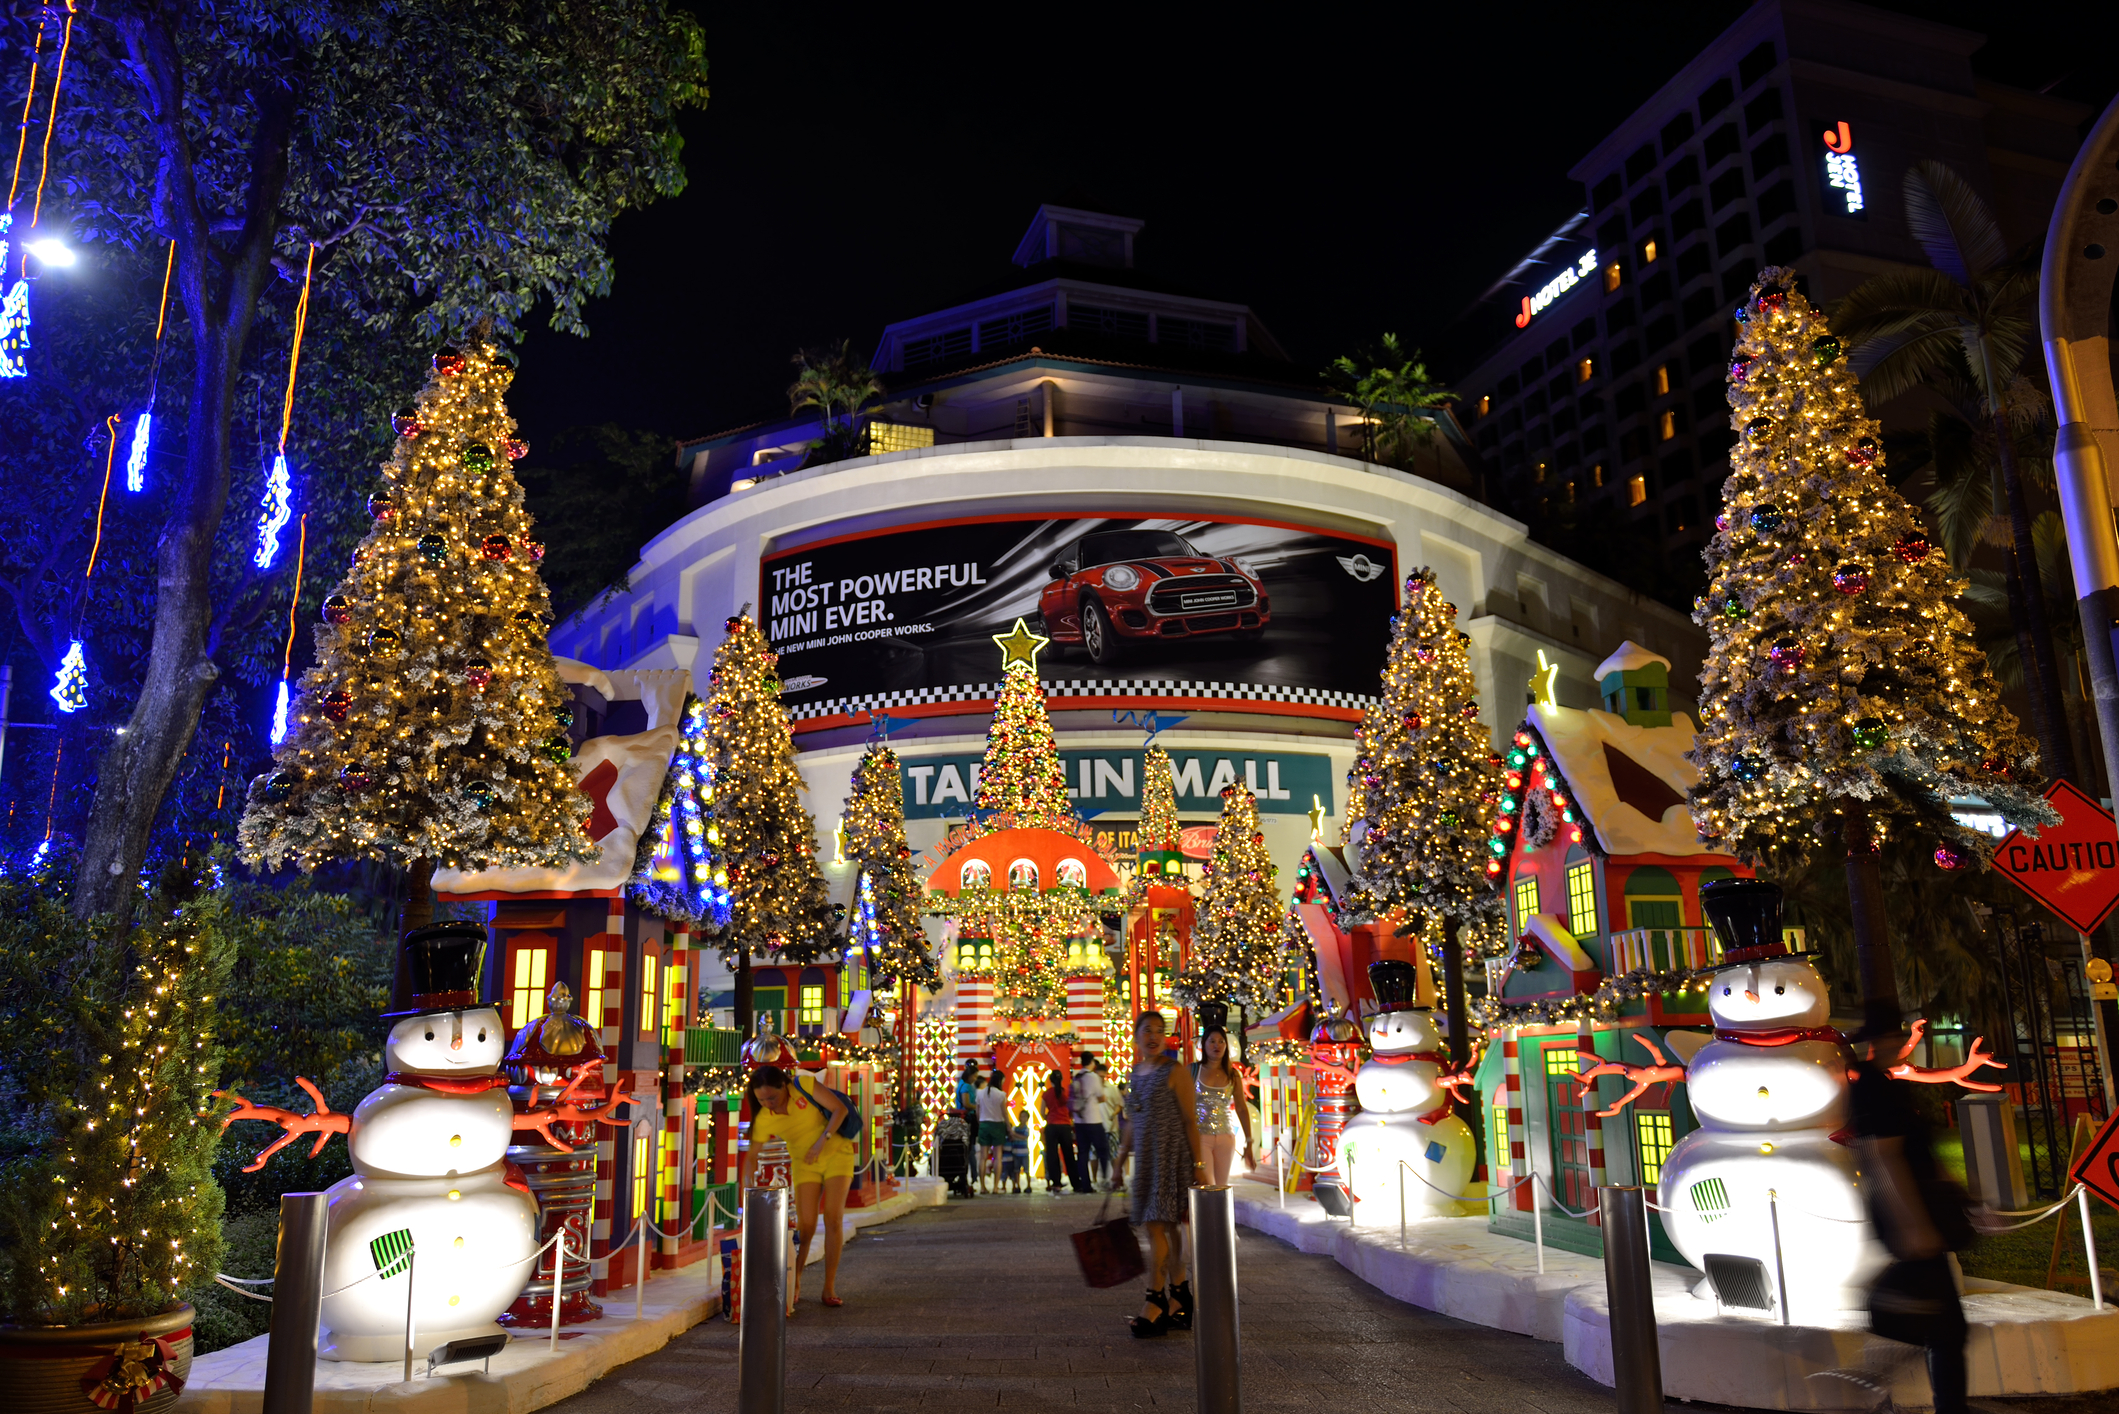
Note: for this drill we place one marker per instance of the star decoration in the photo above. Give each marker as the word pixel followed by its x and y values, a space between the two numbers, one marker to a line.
pixel 1542 681
pixel 1019 645
pixel 1316 813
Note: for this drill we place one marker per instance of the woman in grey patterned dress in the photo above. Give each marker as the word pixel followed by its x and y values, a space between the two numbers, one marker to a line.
pixel 1164 1140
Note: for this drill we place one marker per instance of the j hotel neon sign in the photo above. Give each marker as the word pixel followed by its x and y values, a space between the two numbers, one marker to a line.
pixel 1560 284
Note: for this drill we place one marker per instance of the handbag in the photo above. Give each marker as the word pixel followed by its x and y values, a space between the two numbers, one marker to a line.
pixel 849 1127
pixel 1109 1251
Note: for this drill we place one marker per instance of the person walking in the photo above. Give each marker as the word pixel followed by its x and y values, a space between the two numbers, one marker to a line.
pixel 1920 1216
pixel 996 1118
pixel 1168 1161
pixel 1092 1141
pixel 1220 1089
pixel 1061 1162
pixel 965 1102
pixel 783 1107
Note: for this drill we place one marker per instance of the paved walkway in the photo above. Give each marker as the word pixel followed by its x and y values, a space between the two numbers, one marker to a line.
pixel 980 1305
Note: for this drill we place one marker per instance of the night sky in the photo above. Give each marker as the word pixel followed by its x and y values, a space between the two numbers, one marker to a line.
pixel 1345 173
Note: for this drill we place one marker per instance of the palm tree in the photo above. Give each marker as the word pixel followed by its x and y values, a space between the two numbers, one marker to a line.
pixel 837 383
pixel 1970 320
pixel 1396 398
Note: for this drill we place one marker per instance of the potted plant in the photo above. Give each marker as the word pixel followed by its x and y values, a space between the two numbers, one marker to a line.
pixel 106 1188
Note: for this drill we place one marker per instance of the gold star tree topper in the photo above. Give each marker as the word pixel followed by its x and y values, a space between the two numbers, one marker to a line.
pixel 1019 645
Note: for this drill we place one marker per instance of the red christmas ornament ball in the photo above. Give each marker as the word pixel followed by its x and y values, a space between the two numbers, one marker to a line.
pixel 494 547
pixel 1851 579
pixel 406 423
pixel 337 705
pixel 517 449
pixel 1948 858
pixel 478 672
pixel 1913 549
pixel 448 363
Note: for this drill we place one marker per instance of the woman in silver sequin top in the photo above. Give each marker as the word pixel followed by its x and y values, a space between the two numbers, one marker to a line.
pixel 1220 1090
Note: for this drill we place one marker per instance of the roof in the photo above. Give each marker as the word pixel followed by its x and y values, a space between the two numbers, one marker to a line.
pixel 1631 780
pixel 1631 657
pixel 622 774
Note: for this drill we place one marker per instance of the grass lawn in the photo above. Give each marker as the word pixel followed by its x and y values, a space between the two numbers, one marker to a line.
pixel 2023 1256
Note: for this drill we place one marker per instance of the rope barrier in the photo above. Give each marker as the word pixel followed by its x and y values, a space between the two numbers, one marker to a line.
pixel 224 1281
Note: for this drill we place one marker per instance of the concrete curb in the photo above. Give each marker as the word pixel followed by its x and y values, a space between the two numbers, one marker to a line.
pixel 526 1375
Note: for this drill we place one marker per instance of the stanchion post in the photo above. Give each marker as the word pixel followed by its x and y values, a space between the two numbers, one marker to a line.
pixel 640 1276
pixel 761 1341
pixel 1537 1220
pixel 1217 1331
pixel 2089 1247
pixel 1401 1202
pixel 559 1280
pixel 411 1269
pixel 1780 1267
pixel 297 1304
pixel 1636 1361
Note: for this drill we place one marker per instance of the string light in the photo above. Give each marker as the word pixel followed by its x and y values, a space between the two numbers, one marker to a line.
pixel 279 708
pixel 887 917
pixel 70 692
pixel 277 505
pixel 1236 953
pixel 681 876
pixel 136 460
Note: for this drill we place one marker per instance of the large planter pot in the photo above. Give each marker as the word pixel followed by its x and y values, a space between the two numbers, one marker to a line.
pixel 44 1367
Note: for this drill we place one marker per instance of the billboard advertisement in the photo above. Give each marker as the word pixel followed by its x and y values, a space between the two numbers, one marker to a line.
pixel 1238 615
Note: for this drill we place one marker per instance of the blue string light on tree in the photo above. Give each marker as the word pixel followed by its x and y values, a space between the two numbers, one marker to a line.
pixel 679 873
pixel 70 692
pixel 136 459
pixel 276 509
pixel 14 314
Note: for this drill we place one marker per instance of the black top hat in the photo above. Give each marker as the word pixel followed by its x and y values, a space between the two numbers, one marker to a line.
pixel 1396 984
pixel 1213 1016
pixel 441 965
pixel 1746 914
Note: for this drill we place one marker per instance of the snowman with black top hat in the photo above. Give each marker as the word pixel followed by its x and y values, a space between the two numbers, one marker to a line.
pixel 1405 1090
pixel 430 1168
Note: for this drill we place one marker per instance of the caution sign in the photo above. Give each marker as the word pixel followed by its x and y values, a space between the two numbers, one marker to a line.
pixel 2072 867
pixel 2098 1169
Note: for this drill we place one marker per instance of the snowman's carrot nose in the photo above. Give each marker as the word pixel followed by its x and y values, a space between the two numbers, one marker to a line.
pixel 1749 996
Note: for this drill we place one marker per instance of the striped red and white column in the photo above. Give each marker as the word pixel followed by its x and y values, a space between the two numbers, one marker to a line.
pixel 607 1029
pixel 1512 1079
pixel 1592 1122
pixel 974 1017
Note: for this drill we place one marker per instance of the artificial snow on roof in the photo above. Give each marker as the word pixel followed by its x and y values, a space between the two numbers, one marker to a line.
pixel 1578 741
pixel 1630 657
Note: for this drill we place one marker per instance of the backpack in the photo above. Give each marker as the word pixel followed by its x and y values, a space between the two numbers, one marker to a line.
pixel 850 1127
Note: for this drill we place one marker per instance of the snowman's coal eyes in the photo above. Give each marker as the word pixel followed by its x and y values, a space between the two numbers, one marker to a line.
pixel 430 1034
pixel 481 1033
pixel 1725 992
pixel 1777 991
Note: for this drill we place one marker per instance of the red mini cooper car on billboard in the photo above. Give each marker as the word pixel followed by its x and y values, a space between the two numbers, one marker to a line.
pixel 1115 587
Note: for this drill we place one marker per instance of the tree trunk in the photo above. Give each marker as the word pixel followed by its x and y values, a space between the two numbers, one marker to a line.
pixel 1453 990
pixel 1865 899
pixel 745 1013
pixel 218 285
pixel 416 910
pixel 2053 739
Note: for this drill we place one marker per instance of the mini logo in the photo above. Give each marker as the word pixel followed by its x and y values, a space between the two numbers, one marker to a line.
pixel 801 684
pixel 1361 567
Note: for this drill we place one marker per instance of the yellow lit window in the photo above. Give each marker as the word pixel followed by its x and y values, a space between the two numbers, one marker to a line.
pixel 1537 473
pixel 1596 475
pixel 897 437
pixel 1648 252
pixel 1651 1129
pixel 592 990
pixel 1611 277
pixel 1636 490
pixel 1666 424
pixel 1582 898
pixel 648 994
pixel 642 1155
pixel 1560 1060
pixel 1486 405
pixel 528 990
pixel 1662 379
pixel 1570 493
pixel 1497 1141
pixel 812 1005
pixel 1585 369
pixel 1526 900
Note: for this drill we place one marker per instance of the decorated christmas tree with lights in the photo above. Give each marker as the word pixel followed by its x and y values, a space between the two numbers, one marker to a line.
pixel 677 869
pixel 1158 854
pixel 1022 782
pixel 886 894
pixel 1842 678
pixel 1236 944
pixel 777 900
pixel 433 727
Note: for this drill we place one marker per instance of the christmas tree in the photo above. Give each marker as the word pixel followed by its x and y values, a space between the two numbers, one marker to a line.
pixel 886 913
pixel 1424 786
pixel 1158 855
pixel 777 900
pixel 677 872
pixel 1843 687
pixel 1022 781
pixel 433 728
pixel 1236 957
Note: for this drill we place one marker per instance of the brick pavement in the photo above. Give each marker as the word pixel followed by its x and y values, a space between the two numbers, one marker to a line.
pixel 979 1305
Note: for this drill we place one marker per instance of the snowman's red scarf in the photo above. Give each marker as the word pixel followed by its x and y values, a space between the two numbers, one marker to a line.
pixel 442 1084
pixel 1438 1058
pixel 1781 1035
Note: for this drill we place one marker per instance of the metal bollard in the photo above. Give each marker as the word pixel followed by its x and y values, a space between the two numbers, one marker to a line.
pixel 411 1271
pixel 761 1341
pixel 297 1304
pixel 1780 1266
pixel 2089 1246
pixel 1636 1360
pixel 1217 1331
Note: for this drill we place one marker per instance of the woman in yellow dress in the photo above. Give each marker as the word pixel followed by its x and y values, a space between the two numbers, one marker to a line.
pixel 806 1118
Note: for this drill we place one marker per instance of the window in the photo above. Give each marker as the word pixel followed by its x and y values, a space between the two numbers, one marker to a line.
pixel 1695 262
pixel 1718 95
pixel 976 874
pixel 1632 399
pixel 1604 193
pixel 1662 379
pixel 1497 1146
pixel 1016 327
pixel 1646 204
pixel 642 1168
pixel 1726 188
pixel 1022 875
pixel 812 1012
pixel 1734 232
pixel 1776 202
pixel 1537 473
pixel 1585 332
pixel 1508 387
pixel 1676 131
pixel 1073 874
pixel 1196 333
pixel 1648 251
pixel 974 955
pixel 1612 276
pixel 1486 404
pixel 1762 110
pixel 1582 898
pixel 1651 1129
pixel 936 347
pixel 1596 475
pixel 648 993
pixel 1769 156
pixel 1736 280
pixel 1560 1058
pixel 1556 353
pixel 1785 247
pixel 1626 355
pixel 1755 65
pixel 527 992
pixel 592 990
pixel 1122 323
pixel 1585 369
pixel 1526 900
pixel 1663 331
pixel 897 437
pixel 1683 173
pixel 1641 163
pixel 1685 220
pixel 1723 142
pixel 1636 490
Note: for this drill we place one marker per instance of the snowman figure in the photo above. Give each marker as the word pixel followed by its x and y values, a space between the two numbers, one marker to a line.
pixel 1405 1091
pixel 1770 1091
pixel 430 1173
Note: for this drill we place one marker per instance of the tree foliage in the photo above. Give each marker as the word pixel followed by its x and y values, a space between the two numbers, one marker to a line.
pixel 1397 399
pixel 599 494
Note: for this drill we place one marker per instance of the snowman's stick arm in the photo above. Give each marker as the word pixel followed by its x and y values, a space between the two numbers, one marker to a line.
pixel 1639 1077
pixel 323 1122
pixel 1974 1059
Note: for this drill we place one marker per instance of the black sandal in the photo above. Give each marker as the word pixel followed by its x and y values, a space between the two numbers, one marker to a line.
pixel 1144 1328
pixel 1181 1318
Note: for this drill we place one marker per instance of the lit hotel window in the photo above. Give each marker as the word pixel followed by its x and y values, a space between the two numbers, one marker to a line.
pixel 897 437
pixel 1570 490
pixel 1486 405
pixel 1648 252
pixel 1596 475
pixel 1611 277
pixel 1585 370
pixel 1662 379
pixel 1636 490
pixel 1666 424
pixel 1537 473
